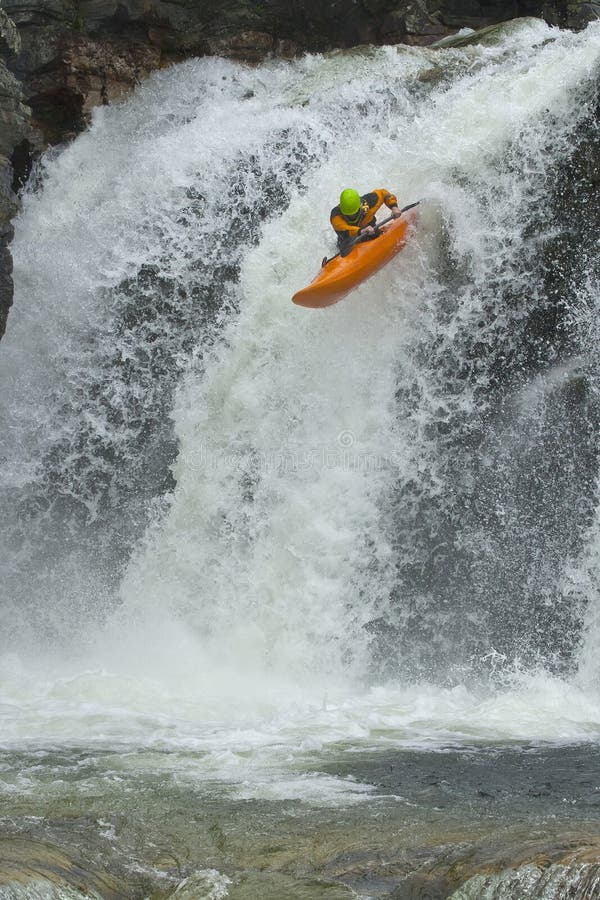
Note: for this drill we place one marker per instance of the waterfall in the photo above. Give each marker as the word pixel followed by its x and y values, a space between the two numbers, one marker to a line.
pixel 246 501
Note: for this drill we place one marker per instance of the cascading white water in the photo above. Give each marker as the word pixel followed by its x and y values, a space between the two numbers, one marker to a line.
pixel 341 547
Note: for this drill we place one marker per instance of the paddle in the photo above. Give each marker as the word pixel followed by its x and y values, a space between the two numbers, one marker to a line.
pixel 360 237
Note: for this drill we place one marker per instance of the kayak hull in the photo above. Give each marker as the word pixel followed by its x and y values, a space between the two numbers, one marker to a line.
pixel 342 274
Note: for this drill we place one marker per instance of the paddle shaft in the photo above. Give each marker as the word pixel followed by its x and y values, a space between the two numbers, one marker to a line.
pixel 360 236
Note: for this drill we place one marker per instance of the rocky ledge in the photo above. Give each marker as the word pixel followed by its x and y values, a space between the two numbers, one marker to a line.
pixel 60 58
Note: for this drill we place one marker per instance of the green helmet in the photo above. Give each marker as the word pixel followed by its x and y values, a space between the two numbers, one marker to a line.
pixel 349 202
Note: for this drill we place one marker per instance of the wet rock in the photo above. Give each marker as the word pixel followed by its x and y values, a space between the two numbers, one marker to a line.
pixel 578 882
pixel 14 115
pixel 10 42
pixel 423 24
pixel 570 14
pixel 246 45
pixel 534 874
pixel 85 73
pixel 14 128
pixel 41 889
pixel 461 13
pixel 488 36
pixel 39 871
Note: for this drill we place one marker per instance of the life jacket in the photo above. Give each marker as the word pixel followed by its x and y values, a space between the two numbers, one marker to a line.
pixel 348 226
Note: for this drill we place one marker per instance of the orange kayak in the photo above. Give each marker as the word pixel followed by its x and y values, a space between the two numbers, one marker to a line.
pixel 342 274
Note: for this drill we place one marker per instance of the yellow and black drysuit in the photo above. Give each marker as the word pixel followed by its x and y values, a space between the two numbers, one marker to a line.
pixel 348 227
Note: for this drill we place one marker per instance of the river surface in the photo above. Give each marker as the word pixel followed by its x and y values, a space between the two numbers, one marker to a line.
pixel 303 603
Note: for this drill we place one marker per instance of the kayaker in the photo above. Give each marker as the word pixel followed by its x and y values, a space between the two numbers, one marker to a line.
pixel 356 215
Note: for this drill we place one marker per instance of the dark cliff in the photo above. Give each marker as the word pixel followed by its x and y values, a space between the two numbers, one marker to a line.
pixel 14 129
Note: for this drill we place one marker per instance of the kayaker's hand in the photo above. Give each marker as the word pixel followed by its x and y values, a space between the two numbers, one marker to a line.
pixel 368 230
pixel 396 212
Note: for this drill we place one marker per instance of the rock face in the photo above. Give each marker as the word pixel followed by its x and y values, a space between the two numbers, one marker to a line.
pixel 60 58
pixel 14 127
